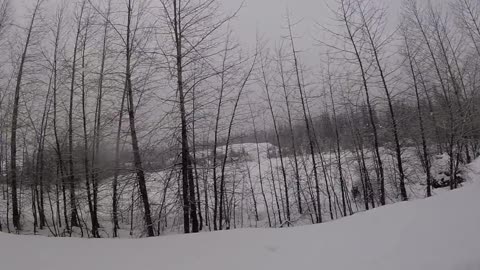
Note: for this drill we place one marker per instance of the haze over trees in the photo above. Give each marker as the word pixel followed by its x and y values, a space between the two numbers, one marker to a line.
pixel 142 118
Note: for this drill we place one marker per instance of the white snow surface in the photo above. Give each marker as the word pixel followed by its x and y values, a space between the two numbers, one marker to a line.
pixel 439 233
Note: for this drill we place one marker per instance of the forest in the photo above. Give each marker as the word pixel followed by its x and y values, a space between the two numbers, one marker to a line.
pixel 141 118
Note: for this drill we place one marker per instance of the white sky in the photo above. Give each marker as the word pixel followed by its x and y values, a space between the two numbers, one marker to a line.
pixel 268 16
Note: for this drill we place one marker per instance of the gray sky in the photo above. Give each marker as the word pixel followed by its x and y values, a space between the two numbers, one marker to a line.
pixel 268 16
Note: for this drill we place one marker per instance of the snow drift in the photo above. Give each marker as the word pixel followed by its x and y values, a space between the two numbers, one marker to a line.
pixel 439 233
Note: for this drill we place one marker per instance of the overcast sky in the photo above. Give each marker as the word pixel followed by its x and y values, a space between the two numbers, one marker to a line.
pixel 268 17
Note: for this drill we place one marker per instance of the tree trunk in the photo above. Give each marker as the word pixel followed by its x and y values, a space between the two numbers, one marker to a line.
pixel 13 136
pixel 74 222
pixel 133 132
pixel 307 122
pixel 86 163
pixel 426 157
pixel 351 38
pixel 230 126
pixel 277 136
pixel 260 178
pixel 292 135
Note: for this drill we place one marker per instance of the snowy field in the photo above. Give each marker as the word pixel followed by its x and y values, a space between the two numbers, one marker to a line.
pixel 244 192
pixel 439 233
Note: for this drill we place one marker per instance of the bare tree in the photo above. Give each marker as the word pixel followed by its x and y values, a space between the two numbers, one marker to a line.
pixel 338 152
pixel 243 83
pixel 98 130
pixel 426 157
pixel 415 17
pixel 345 16
pixel 296 66
pixel 13 136
pixel 266 84
pixel 129 43
pixel 373 21
pixel 281 71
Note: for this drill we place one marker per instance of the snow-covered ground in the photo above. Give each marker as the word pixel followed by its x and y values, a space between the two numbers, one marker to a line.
pixel 439 233
pixel 244 191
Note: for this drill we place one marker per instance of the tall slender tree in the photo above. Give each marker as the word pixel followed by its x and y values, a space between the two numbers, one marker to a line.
pixel 13 136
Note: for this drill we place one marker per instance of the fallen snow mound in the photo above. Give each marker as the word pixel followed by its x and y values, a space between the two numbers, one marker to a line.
pixel 440 233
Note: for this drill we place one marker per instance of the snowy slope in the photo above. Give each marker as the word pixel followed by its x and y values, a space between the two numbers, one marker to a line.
pixel 243 176
pixel 439 233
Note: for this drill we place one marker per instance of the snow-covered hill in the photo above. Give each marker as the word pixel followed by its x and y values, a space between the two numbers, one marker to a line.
pixel 439 233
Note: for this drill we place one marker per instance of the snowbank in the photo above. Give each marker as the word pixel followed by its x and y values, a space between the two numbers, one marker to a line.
pixel 440 233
